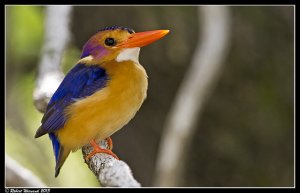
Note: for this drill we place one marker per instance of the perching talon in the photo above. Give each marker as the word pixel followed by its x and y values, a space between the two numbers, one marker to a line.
pixel 97 149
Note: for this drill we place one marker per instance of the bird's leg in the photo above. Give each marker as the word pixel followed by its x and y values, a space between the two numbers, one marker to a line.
pixel 98 149
pixel 109 143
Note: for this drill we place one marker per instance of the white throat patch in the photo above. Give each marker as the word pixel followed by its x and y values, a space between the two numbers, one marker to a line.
pixel 129 54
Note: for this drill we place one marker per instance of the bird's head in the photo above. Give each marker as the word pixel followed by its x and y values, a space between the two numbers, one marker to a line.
pixel 117 43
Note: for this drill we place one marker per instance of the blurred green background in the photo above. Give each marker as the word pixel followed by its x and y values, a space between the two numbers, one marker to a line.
pixel 246 133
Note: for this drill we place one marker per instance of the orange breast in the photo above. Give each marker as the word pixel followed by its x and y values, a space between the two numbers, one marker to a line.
pixel 108 110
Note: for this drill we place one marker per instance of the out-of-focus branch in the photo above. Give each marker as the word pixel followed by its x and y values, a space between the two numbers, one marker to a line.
pixel 109 171
pixel 197 85
pixel 18 176
pixel 57 36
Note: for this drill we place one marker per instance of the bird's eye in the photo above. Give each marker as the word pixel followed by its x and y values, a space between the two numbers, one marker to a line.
pixel 110 42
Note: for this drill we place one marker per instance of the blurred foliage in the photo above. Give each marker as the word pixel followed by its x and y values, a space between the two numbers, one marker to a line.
pixel 26 28
pixel 246 133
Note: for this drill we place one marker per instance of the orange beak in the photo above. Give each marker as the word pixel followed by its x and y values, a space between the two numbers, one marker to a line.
pixel 143 38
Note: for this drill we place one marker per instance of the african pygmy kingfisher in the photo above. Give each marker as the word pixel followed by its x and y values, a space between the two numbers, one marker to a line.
pixel 100 94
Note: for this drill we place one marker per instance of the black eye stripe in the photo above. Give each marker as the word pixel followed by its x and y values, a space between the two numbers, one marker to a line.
pixel 110 42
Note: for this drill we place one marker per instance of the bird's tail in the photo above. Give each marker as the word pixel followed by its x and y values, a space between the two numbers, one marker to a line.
pixel 61 160
pixel 61 153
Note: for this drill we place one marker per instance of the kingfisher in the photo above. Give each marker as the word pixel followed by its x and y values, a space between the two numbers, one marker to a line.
pixel 100 94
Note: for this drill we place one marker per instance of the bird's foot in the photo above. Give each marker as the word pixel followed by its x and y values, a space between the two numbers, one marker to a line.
pixel 98 149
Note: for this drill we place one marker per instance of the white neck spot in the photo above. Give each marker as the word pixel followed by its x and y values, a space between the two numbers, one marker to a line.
pixel 129 54
pixel 86 59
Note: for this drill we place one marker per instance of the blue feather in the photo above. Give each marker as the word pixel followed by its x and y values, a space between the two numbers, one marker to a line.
pixel 80 82
pixel 55 144
pixel 131 31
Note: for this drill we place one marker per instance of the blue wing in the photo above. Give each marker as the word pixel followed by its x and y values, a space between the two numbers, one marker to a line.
pixel 80 82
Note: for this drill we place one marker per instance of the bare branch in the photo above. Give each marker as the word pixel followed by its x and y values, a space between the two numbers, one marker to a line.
pixel 18 176
pixel 198 83
pixel 57 36
pixel 109 171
